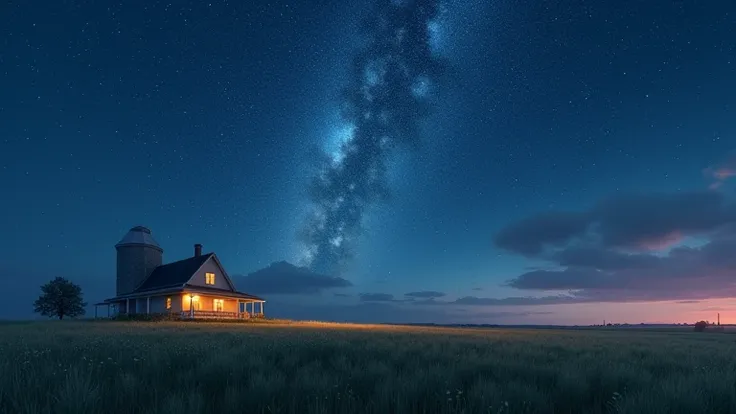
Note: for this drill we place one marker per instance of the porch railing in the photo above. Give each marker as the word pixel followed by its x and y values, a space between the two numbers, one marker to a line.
pixel 215 314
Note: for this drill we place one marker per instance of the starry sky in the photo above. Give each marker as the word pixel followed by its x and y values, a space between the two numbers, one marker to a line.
pixel 388 161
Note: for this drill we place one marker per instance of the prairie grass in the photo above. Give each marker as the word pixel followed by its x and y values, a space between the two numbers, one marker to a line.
pixel 179 367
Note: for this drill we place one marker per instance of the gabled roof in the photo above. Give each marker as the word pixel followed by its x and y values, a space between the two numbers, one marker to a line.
pixel 224 273
pixel 173 274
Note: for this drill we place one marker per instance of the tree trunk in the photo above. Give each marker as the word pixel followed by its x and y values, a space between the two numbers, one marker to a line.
pixel 61 316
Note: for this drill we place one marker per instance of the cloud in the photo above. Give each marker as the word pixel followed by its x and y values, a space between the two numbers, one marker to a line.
pixel 599 258
pixel 646 221
pixel 684 302
pixel 505 314
pixel 343 295
pixel 685 273
pixel 285 278
pixel 376 297
pixel 715 309
pixel 721 172
pixel 424 294
pixel 529 236
pixel 508 301
pixel 634 222
pixel 477 289
pixel 625 250
pixel 515 301
pixel 563 279
pixel 724 173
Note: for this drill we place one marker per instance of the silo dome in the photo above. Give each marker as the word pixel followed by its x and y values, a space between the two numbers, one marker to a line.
pixel 138 255
pixel 139 235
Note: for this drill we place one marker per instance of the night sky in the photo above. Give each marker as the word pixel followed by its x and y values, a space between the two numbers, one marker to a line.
pixel 420 161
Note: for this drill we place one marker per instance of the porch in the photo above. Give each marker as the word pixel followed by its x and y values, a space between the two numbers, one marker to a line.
pixel 196 306
pixel 188 305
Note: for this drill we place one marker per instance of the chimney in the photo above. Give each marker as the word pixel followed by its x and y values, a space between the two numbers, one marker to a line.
pixel 197 250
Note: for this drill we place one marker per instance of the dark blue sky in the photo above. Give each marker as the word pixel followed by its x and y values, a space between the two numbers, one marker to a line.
pixel 207 122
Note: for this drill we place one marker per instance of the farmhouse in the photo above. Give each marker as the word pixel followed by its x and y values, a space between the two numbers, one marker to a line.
pixel 196 287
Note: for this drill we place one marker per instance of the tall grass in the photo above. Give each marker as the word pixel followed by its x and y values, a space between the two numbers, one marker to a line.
pixel 169 367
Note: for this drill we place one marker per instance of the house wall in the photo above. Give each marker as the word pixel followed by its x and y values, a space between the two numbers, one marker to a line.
pixel 116 308
pixel 175 302
pixel 119 308
pixel 157 305
pixel 210 266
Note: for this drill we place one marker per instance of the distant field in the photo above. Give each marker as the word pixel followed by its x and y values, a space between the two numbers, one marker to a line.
pixel 127 367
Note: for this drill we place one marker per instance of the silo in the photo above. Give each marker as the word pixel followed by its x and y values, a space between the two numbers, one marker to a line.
pixel 138 255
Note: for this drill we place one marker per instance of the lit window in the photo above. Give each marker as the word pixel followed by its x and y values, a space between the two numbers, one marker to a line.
pixel 218 305
pixel 168 303
pixel 190 301
pixel 209 278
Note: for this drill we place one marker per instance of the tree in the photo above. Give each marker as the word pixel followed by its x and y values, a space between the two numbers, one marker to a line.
pixel 700 326
pixel 60 298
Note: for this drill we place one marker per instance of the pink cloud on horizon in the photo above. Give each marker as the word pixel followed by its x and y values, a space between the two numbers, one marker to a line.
pixel 634 313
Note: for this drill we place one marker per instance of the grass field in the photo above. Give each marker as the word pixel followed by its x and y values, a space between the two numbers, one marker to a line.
pixel 128 367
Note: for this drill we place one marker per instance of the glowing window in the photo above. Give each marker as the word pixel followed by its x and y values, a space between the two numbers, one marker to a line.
pixel 209 278
pixel 168 303
pixel 218 305
pixel 190 301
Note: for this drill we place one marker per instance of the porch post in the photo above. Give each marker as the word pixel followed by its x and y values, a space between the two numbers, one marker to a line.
pixel 127 306
pixel 262 308
pixel 95 311
pixel 108 310
pixel 148 305
pixel 191 306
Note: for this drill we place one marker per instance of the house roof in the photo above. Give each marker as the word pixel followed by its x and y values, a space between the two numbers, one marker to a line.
pixel 175 277
pixel 174 274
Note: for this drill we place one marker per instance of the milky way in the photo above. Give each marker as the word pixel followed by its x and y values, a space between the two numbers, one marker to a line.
pixel 382 104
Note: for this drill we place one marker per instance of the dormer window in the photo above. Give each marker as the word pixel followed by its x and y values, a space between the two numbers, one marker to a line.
pixel 209 278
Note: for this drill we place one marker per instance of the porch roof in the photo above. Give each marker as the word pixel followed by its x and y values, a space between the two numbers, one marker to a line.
pixel 187 289
pixel 221 292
